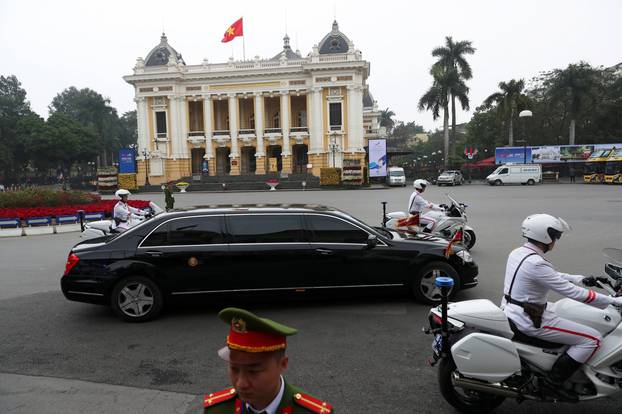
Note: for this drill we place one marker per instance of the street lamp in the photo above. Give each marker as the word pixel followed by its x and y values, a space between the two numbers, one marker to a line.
pixel 146 154
pixel 333 147
pixel 524 114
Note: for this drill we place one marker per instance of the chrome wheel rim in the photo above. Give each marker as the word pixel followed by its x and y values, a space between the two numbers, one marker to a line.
pixel 135 300
pixel 428 285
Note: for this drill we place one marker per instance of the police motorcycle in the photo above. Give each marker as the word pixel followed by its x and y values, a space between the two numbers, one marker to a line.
pixel 445 223
pixel 483 359
pixel 103 228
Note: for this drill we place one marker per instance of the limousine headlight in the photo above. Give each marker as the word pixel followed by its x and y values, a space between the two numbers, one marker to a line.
pixel 465 256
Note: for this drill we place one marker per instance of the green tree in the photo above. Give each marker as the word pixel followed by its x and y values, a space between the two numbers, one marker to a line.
pixel 13 106
pixel 574 87
pixel 93 111
pixel 508 102
pixel 451 56
pixel 438 96
pixel 128 133
pixel 386 119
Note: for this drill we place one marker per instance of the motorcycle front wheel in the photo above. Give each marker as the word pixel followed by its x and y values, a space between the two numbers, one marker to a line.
pixel 465 401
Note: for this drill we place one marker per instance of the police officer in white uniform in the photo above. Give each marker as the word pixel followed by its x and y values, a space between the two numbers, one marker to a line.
pixel 416 203
pixel 123 212
pixel 528 279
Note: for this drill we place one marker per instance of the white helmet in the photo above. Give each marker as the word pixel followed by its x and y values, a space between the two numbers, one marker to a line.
pixel 122 192
pixel 420 184
pixel 544 228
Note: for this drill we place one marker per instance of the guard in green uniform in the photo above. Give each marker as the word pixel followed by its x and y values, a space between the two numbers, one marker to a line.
pixel 255 352
pixel 169 200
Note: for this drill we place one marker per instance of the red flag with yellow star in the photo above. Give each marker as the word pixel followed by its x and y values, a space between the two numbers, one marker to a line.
pixel 235 30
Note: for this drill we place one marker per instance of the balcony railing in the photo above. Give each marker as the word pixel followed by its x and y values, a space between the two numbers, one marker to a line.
pixel 299 129
pixel 247 131
pixel 161 135
pixel 221 132
pixel 273 130
pixel 336 127
pixel 196 134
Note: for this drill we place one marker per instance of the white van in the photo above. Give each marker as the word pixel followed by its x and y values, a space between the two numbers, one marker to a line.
pixel 396 176
pixel 516 174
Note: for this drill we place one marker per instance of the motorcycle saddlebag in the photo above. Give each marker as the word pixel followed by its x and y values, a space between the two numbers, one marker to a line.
pixel 486 357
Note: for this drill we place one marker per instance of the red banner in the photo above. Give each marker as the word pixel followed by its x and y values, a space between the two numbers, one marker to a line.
pixel 235 30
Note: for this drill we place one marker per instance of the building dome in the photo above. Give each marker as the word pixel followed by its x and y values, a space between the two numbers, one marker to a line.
pixel 160 54
pixel 334 42
pixel 287 51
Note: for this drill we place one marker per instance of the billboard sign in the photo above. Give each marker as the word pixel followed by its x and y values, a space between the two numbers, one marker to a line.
pixel 377 157
pixel 127 161
pixel 504 155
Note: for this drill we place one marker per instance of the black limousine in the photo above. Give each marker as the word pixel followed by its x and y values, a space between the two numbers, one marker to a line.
pixel 246 249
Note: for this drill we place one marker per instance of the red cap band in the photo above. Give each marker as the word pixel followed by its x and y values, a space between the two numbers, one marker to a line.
pixel 253 341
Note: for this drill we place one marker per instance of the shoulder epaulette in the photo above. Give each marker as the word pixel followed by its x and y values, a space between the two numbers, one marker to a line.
pixel 313 404
pixel 218 397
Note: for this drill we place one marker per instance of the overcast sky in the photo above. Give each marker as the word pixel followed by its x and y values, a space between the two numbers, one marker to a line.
pixel 51 45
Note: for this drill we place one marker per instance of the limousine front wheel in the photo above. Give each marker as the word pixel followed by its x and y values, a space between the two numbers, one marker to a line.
pixel 136 299
pixel 425 290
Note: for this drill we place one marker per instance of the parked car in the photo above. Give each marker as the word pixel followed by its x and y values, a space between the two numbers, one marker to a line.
pixel 529 174
pixel 396 176
pixel 450 177
pixel 237 250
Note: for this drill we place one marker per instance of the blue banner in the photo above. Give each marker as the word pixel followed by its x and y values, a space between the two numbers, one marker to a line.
pixel 127 161
pixel 515 155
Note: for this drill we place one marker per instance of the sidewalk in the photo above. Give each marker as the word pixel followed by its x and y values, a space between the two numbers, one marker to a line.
pixel 24 394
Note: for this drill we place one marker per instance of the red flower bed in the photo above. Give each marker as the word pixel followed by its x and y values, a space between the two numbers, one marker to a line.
pixel 104 206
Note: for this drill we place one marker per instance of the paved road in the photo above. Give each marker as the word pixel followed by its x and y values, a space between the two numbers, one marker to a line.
pixel 361 354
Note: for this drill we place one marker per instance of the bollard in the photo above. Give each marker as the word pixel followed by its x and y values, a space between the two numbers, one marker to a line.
pixel 384 213
pixel 81 217
pixel 445 284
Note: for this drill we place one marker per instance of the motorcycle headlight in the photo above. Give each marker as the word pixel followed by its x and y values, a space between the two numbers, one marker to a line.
pixel 465 256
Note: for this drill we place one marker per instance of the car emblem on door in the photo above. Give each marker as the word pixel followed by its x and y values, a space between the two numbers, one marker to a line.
pixel 193 261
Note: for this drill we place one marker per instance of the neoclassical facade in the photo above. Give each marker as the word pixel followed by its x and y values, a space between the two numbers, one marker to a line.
pixel 288 114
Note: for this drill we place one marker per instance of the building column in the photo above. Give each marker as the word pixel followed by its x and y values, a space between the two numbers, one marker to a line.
pixel 233 133
pixel 260 153
pixel 286 152
pixel 183 127
pixel 208 129
pixel 355 119
pixel 316 125
pixel 173 129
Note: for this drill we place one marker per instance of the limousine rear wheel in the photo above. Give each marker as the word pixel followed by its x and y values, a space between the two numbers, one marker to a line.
pixel 423 286
pixel 136 299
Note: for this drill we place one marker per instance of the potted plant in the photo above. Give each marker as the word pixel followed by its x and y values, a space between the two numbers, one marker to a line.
pixel 182 185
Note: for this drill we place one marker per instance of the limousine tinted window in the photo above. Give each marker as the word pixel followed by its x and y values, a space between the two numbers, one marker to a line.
pixel 327 229
pixel 259 228
pixel 187 231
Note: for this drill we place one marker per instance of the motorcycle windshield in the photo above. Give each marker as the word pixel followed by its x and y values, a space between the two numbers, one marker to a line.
pixel 613 254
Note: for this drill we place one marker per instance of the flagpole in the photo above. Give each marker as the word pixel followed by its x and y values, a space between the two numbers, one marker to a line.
pixel 243 48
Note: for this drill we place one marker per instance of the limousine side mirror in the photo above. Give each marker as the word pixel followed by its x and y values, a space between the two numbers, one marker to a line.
pixel 372 241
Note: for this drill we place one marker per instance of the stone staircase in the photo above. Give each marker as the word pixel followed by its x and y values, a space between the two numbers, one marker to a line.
pixel 246 182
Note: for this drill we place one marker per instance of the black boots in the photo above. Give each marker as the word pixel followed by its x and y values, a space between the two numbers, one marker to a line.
pixel 563 368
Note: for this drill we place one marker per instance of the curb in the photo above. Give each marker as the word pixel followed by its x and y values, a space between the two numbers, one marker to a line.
pixel 39 230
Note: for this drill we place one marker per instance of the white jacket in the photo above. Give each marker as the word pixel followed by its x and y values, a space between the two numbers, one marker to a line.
pixel 416 204
pixel 535 278
pixel 123 213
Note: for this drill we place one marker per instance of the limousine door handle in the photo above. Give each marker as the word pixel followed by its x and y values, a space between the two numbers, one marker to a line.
pixel 324 252
pixel 154 253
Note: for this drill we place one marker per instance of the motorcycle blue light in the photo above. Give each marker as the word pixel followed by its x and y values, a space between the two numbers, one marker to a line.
pixel 444 282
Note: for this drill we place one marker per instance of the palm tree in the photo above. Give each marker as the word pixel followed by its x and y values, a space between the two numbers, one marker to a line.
pixel 573 86
pixel 508 101
pixel 438 96
pixel 451 56
pixel 386 119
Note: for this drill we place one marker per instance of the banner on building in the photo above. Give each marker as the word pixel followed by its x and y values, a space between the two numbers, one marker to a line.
pixel 550 154
pixel 377 157
pixel 127 161
pixel 516 155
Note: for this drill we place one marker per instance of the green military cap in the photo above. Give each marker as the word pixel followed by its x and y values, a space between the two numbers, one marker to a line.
pixel 250 333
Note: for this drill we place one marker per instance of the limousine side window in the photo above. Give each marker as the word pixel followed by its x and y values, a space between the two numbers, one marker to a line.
pixel 187 231
pixel 269 228
pixel 325 229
